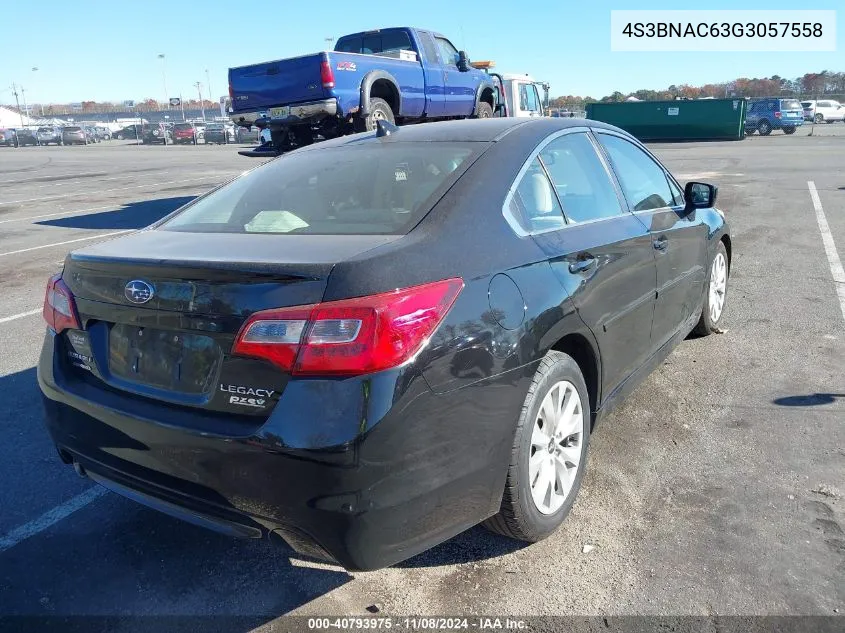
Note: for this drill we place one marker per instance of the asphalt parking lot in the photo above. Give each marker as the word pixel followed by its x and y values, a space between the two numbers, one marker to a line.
pixel 716 489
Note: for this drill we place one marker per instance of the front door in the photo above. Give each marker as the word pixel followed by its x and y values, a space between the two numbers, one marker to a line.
pixel 458 87
pixel 679 239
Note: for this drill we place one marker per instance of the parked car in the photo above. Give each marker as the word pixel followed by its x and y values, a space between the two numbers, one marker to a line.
pixel 49 134
pixel 157 133
pixel 26 137
pixel 75 135
pixel 8 137
pixel 102 133
pixel 371 344
pixel 129 132
pixel 765 115
pixel 220 133
pixel 247 135
pixel 403 74
pixel 823 111
pixel 185 133
pixel 91 134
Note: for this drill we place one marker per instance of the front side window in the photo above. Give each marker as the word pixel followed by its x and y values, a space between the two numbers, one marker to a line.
pixel 365 190
pixel 580 179
pixel 448 53
pixel 643 181
pixel 528 98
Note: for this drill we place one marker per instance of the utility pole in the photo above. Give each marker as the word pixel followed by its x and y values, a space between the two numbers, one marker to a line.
pixel 23 96
pixel 17 103
pixel 199 93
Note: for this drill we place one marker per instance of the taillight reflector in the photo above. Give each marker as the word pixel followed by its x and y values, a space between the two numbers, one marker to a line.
pixel 59 307
pixel 351 336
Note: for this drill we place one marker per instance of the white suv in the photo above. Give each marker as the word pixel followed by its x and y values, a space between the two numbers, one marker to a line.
pixel 823 111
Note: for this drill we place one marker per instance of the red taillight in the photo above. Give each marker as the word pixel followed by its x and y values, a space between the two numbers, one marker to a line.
pixel 231 93
pixel 59 308
pixel 351 336
pixel 326 74
pixel 777 115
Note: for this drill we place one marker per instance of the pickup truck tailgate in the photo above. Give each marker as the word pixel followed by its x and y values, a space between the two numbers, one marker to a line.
pixel 275 83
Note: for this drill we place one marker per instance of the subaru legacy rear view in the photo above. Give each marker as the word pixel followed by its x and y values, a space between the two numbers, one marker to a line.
pixel 371 344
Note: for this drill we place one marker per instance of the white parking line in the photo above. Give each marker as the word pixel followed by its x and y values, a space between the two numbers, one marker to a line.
pixel 50 518
pixel 80 239
pixel 20 316
pixel 829 247
pixel 88 192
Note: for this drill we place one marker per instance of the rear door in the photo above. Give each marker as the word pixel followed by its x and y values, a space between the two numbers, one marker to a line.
pixel 679 239
pixel 459 87
pixel 600 252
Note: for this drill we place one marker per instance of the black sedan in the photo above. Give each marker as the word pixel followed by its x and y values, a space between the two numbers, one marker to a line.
pixel 27 137
pixel 369 345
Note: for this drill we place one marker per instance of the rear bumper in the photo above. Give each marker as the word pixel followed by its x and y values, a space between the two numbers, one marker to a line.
pixel 300 114
pixel 383 480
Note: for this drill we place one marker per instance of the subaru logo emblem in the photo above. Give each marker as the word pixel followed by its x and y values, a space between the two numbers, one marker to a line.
pixel 138 291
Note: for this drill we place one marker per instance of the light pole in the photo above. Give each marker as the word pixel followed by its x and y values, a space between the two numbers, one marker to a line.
pixel 208 85
pixel 164 79
pixel 329 41
pixel 40 105
pixel 202 105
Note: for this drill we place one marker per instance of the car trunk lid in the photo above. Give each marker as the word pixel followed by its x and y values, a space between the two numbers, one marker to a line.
pixel 161 325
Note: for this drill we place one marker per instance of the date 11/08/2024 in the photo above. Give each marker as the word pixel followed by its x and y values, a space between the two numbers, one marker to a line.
pixel 417 623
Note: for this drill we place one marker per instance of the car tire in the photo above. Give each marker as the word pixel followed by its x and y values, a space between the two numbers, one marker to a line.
pixel 819 118
pixel 521 516
pixel 764 128
pixel 379 110
pixel 484 111
pixel 715 292
pixel 120 137
pixel 789 130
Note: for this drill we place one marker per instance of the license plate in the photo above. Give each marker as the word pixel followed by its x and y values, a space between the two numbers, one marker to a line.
pixel 279 113
pixel 175 361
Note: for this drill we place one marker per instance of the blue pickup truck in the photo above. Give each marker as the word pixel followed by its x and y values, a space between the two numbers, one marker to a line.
pixel 401 75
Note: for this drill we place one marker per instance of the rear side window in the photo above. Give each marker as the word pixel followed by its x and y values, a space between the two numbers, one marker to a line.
pixel 643 181
pixel 580 179
pixel 534 205
pixel 363 190
pixel 790 104
pixel 374 43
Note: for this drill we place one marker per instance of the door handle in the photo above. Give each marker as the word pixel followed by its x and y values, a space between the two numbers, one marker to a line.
pixel 582 265
pixel 661 243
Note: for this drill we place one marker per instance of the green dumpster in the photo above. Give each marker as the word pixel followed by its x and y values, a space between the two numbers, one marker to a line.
pixel 688 120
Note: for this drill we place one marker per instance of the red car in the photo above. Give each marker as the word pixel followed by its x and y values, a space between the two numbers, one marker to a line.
pixel 185 133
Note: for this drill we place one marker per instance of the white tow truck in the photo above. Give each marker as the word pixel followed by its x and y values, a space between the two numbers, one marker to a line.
pixel 518 95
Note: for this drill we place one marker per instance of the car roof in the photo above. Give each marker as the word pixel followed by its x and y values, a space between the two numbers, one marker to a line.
pixel 469 130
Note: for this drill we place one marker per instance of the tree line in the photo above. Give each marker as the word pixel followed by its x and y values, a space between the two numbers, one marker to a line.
pixel 810 85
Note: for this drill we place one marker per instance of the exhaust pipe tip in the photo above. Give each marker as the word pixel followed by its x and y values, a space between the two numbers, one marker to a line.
pixel 80 470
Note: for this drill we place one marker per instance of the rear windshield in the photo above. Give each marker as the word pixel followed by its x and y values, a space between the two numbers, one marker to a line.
pixel 45 129
pixel 183 126
pixel 790 104
pixel 372 43
pixel 807 104
pixel 72 129
pixel 377 189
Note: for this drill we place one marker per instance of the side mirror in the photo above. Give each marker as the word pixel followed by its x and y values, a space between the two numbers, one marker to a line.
pixel 463 61
pixel 700 195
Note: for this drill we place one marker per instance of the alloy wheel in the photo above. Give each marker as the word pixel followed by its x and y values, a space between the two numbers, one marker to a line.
pixel 718 286
pixel 556 444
